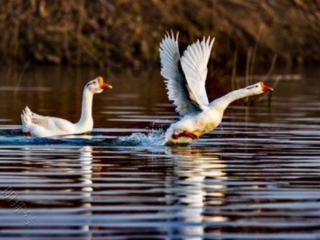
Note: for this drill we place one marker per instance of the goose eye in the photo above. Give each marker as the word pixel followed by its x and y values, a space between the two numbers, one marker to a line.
pixel 90 83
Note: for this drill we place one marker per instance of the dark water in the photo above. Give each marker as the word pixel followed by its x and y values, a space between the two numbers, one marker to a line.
pixel 256 177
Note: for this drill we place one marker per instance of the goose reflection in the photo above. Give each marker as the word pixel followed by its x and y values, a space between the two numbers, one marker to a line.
pixel 200 184
pixel 86 190
pixel 71 168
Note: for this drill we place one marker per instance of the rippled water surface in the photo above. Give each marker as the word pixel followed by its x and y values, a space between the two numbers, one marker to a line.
pixel 256 177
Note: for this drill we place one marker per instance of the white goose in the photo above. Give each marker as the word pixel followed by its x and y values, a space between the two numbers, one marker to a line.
pixel 43 126
pixel 185 79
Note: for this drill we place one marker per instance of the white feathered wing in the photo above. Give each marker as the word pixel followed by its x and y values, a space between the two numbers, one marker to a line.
pixel 185 77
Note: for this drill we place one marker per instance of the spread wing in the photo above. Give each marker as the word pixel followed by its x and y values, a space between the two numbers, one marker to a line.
pixel 194 64
pixel 176 84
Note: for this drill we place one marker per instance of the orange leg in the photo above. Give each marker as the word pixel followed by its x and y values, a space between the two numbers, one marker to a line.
pixel 28 134
pixel 184 134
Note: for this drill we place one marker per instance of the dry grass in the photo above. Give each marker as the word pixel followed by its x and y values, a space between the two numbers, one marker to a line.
pixel 126 33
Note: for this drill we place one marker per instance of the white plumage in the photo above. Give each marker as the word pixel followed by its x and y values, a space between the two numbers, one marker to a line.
pixel 43 126
pixel 185 80
pixel 170 60
pixel 194 64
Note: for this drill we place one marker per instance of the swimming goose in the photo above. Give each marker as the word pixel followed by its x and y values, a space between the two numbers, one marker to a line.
pixel 185 79
pixel 43 126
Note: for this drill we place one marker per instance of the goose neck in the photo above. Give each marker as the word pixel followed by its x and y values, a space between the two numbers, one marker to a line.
pixel 86 107
pixel 223 102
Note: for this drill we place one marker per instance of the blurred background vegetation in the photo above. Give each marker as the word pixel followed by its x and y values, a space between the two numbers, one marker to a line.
pixel 126 33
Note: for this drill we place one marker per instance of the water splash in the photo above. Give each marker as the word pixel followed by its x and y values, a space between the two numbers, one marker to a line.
pixel 154 138
pixel 14 137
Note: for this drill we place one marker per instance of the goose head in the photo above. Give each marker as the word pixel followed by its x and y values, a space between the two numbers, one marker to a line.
pixel 259 88
pixel 97 85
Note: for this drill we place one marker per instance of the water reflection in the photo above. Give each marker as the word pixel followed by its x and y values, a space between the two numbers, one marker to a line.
pixel 257 176
pixel 87 189
pixel 69 173
pixel 200 183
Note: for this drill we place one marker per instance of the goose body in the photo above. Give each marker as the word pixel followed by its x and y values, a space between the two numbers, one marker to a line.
pixel 44 126
pixel 185 79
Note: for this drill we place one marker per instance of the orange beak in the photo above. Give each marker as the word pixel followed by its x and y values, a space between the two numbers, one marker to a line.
pixel 265 87
pixel 103 85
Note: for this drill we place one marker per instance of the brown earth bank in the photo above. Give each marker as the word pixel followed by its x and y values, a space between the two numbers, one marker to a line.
pixel 126 33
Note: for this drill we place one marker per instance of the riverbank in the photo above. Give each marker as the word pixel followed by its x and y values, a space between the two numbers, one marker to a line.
pixel 126 33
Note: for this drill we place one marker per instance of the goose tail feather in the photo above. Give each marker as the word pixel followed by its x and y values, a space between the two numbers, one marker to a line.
pixel 26 119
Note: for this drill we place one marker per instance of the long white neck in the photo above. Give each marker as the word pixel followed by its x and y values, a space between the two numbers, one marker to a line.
pixel 223 102
pixel 86 120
